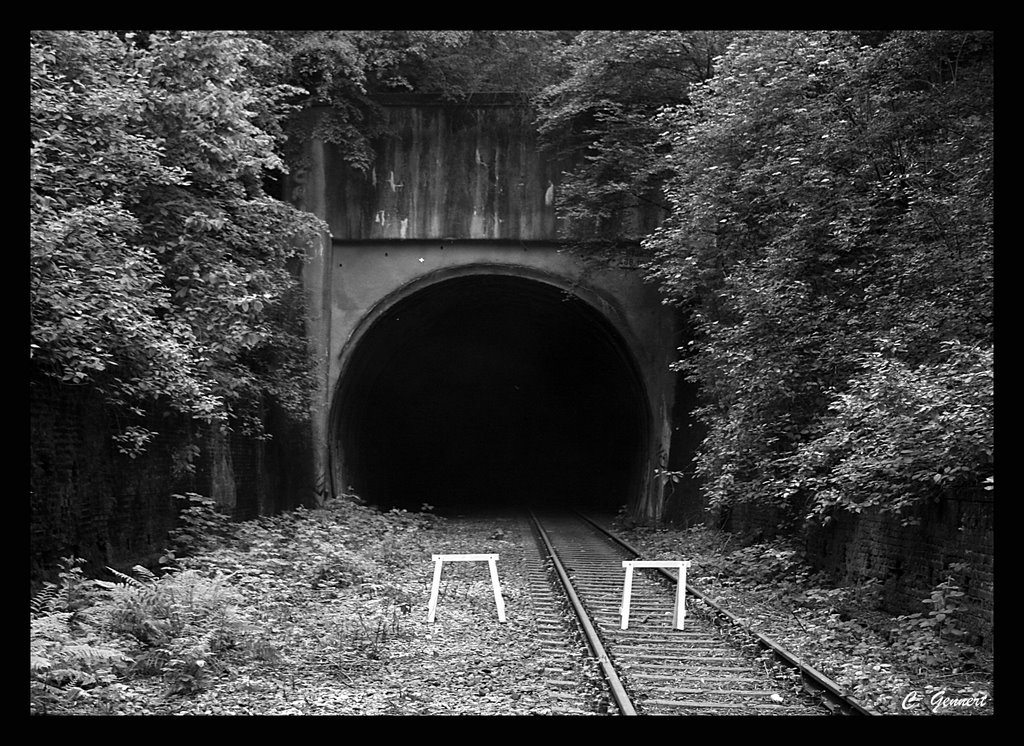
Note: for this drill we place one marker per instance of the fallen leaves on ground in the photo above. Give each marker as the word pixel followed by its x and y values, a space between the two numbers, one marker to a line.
pixel 332 620
pixel 328 616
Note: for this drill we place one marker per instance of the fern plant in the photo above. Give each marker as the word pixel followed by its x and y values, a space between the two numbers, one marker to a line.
pixel 65 660
pixel 185 623
pixel 46 600
pixel 142 576
pixel 72 591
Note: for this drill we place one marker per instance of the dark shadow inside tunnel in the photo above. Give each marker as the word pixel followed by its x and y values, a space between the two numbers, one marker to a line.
pixel 489 391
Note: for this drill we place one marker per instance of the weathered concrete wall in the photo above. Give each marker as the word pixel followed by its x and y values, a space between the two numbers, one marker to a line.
pixel 457 189
pixel 369 277
pixel 467 172
pixel 367 274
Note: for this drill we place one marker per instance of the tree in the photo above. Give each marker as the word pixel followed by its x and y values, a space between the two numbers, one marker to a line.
pixel 161 272
pixel 343 73
pixel 598 120
pixel 831 236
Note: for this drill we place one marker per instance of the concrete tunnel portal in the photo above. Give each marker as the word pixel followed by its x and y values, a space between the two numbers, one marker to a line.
pixel 488 391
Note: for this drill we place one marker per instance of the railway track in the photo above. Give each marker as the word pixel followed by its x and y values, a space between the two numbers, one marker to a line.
pixel 711 666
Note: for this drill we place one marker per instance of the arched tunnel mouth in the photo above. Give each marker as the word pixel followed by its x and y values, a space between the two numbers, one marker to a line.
pixel 491 392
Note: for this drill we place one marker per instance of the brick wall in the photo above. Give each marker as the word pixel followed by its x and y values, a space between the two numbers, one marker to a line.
pixel 909 560
pixel 912 560
pixel 89 500
pixel 86 498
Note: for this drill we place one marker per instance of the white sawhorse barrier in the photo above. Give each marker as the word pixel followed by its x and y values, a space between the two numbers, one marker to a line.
pixel 490 559
pixel 679 612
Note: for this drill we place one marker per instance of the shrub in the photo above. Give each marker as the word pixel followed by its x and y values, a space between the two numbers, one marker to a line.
pixel 935 637
pixel 203 526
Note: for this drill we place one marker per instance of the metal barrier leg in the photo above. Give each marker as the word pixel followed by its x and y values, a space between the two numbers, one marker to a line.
pixel 434 588
pixel 440 559
pixel 679 609
pixel 679 614
pixel 498 600
pixel 627 590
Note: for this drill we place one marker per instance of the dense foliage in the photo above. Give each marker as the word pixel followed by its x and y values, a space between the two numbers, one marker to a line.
pixel 598 120
pixel 831 237
pixel 824 202
pixel 201 615
pixel 162 274
pixel 343 74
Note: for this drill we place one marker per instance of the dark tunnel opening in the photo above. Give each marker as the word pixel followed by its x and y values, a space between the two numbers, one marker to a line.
pixel 491 391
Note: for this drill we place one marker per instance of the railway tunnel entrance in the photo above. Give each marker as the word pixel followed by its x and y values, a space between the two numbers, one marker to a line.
pixel 487 391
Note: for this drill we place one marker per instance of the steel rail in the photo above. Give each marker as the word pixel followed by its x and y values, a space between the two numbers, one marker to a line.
pixel 837 696
pixel 615 686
